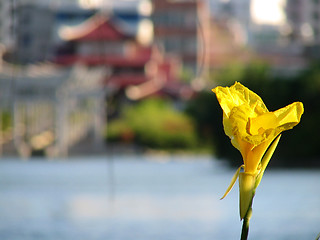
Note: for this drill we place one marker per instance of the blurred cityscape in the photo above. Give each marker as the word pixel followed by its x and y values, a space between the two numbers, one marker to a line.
pixel 122 89
pixel 80 75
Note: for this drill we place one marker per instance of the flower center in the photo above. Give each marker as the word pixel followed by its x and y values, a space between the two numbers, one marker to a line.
pixel 258 125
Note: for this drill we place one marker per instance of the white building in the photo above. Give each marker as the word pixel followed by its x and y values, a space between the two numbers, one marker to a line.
pixel 176 29
pixel 7 23
pixel 34 33
pixel 237 12
pixel 304 21
pixel 52 108
pixel 258 22
pixel 37 22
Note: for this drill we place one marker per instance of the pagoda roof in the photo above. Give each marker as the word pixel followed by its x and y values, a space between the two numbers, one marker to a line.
pixel 103 60
pixel 97 28
pixel 125 79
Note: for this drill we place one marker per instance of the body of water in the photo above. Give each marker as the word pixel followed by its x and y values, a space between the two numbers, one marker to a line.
pixel 150 198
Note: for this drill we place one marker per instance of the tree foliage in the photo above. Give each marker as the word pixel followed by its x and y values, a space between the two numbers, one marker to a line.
pixel 153 123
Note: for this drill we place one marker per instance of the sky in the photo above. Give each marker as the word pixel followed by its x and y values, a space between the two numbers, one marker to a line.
pixel 268 11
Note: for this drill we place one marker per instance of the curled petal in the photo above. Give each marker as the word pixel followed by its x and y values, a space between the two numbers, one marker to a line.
pixel 269 125
pixel 289 116
pixel 259 124
pixel 237 95
pixel 266 159
pixel 233 181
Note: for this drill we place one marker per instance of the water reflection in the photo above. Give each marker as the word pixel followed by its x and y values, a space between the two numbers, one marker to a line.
pixel 173 199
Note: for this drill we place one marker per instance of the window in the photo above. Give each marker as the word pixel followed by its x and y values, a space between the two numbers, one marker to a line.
pixel 316 33
pixel 26 40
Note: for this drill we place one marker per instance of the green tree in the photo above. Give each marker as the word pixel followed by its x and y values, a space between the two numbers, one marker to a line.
pixel 154 123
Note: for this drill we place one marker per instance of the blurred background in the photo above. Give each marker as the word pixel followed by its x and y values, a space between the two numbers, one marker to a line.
pixel 109 128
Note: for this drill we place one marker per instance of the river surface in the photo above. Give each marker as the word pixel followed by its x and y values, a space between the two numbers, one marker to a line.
pixel 150 198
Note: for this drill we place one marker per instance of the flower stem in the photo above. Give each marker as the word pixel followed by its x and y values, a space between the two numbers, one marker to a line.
pixel 245 225
pixel 246 219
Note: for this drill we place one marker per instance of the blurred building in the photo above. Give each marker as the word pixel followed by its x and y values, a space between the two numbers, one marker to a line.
pixel 102 40
pixel 52 109
pixel 37 24
pixel 303 28
pixel 131 59
pixel 226 45
pixel 254 26
pixel 70 15
pixel 241 11
pixel 237 13
pixel 181 28
pixel 34 33
pixel 7 24
pixel 304 21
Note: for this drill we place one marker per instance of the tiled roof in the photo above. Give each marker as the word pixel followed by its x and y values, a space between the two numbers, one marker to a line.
pixel 102 60
pixel 96 28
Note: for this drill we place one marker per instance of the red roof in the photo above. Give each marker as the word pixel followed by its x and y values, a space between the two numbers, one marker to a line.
pixel 96 28
pixel 173 31
pixel 120 61
pixel 124 80
pixel 105 31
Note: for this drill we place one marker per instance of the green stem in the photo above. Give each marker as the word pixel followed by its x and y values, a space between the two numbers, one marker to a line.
pixel 246 219
pixel 245 225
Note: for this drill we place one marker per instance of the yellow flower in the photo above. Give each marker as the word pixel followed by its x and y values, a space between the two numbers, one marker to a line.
pixel 252 128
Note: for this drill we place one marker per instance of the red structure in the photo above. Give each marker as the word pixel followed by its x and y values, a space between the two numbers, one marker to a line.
pixel 138 70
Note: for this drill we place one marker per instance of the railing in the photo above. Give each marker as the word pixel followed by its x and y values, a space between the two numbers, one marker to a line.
pixel 53 110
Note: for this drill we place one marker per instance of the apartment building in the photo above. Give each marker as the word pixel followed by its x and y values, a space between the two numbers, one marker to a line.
pixel 303 18
pixel 180 27
pixel 7 24
pixel 34 33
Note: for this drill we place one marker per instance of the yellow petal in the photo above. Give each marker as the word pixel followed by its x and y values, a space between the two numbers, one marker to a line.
pixel 266 128
pixel 238 104
pixel 237 95
pixel 246 187
pixel 259 124
pixel 266 159
pixel 289 116
pixel 233 181
pixel 254 155
pixel 232 127
pixel 249 124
